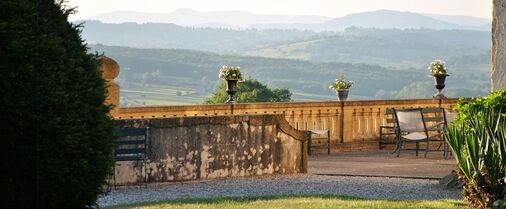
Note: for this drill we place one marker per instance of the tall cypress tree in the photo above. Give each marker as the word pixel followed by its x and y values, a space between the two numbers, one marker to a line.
pixel 56 132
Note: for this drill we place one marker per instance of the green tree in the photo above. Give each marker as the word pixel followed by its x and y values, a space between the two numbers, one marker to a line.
pixel 419 89
pixel 56 132
pixel 250 90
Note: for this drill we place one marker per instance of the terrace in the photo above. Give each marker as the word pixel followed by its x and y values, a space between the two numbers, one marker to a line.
pixel 354 131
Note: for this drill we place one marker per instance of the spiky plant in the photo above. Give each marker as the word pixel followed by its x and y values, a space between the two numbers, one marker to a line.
pixel 479 146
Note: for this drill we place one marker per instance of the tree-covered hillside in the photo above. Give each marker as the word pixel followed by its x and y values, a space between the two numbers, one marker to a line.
pixel 392 48
pixel 386 47
pixel 163 35
pixel 196 74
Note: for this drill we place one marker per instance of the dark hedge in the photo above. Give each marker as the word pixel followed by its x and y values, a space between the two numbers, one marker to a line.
pixel 56 132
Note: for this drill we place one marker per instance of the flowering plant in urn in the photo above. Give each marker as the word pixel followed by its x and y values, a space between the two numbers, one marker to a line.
pixel 438 68
pixel 342 88
pixel 439 71
pixel 341 84
pixel 230 73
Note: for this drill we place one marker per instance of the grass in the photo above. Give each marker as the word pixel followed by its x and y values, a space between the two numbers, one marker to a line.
pixel 295 202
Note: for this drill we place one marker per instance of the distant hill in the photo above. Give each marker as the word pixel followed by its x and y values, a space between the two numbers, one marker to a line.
pixel 198 71
pixel 388 19
pixel 461 20
pixel 164 35
pixel 191 17
pixel 239 19
pixel 386 47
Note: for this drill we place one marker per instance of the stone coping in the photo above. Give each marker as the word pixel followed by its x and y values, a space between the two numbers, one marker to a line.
pixel 260 119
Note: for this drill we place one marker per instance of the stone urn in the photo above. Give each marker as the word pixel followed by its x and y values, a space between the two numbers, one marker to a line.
pixel 231 90
pixel 342 94
pixel 440 85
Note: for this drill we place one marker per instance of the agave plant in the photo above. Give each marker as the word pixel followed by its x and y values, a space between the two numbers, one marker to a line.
pixel 479 146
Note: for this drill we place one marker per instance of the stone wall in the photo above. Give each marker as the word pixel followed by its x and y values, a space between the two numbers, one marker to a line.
pixel 353 125
pixel 499 45
pixel 189 148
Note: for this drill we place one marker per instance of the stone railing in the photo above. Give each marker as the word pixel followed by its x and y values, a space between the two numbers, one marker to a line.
pixel 348 122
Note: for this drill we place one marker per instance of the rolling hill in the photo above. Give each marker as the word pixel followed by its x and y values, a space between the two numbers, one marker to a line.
pixel 389 19
pixel 382 19
pixel 386 47
pixel 173 76
pixel 192 17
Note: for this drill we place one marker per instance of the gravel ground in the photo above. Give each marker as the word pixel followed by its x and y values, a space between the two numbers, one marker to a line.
pixel 304 184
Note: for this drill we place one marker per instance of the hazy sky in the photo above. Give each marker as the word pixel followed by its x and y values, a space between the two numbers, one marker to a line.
pixel 331 8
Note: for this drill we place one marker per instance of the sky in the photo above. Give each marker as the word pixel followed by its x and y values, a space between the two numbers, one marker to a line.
pixel 330 8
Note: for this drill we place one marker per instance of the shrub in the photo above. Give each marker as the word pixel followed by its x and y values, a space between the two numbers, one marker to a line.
pixel 478 141
pixel 496 100
pixel 250 90
pixel 56 133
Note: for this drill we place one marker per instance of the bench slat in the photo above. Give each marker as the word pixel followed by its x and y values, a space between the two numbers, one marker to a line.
pixel 130 151
pixel 133 131
pixel 128 158
pixel 131 142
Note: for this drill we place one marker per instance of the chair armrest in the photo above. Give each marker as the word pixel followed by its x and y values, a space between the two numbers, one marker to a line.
pixel 436 127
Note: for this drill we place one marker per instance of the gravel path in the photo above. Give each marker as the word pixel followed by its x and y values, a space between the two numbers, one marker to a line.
pixel 365 187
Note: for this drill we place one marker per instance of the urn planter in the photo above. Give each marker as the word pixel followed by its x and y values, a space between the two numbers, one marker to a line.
pixel 342 94
pixel 440 85
pixel 231 90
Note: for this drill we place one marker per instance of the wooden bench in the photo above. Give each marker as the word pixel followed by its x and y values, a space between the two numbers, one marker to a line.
pixel 132 146
pixel 310 143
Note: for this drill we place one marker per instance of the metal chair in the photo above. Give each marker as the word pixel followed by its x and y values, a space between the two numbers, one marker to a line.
pixel 411 128
pixel 386 131
pixel 132 146
pixel 440 127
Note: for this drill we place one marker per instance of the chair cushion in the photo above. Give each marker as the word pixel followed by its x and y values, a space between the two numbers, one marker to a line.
pixel 415 136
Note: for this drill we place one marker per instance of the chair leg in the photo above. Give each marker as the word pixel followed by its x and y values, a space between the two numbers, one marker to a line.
pixel 381 137
pixel 399 148
pixel 145 173
pixel 416 149
pixel 397 142
pixel 444 150
pixel 114 176
pixel 426 149
pixel 328 142
pixel 309 144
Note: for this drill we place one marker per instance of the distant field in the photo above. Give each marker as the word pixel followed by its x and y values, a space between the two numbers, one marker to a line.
pixel 155 95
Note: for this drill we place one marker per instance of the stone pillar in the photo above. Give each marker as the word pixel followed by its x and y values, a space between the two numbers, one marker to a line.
pixel 499 45
pixel 110 70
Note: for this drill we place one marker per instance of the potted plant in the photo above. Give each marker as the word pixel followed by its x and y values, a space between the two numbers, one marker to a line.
pixel 439 71
pixel 342 88
pixel 232 75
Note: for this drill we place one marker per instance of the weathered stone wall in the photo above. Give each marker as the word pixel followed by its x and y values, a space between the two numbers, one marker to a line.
pixel 499 45
pixel 353 125
pixel 189 148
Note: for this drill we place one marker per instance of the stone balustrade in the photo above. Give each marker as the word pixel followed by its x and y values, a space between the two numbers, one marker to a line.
pixel 349 122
